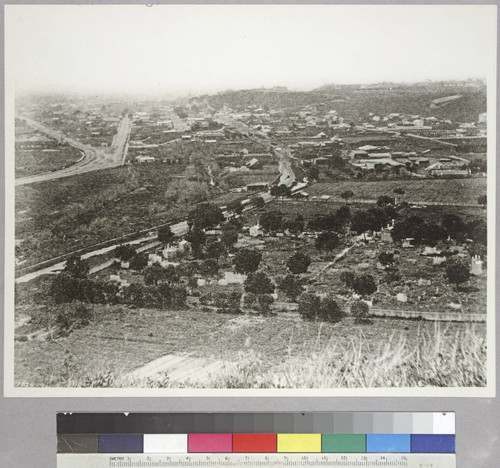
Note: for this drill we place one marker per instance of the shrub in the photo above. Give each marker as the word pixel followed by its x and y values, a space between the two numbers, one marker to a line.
pixel 330 310
pixel 347 277
pixel 360 310
pixel 73 316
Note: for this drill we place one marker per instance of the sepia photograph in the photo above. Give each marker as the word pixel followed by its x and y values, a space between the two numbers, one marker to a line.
pixel 250 200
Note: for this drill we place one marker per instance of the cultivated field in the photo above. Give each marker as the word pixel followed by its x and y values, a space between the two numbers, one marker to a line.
pixel 425 190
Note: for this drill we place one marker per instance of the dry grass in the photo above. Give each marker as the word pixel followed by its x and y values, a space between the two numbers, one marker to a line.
pixel 442 357
pixel 436 356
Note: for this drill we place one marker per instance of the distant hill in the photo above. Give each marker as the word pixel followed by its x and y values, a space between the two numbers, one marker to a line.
pixel 355 102
pixel 408 99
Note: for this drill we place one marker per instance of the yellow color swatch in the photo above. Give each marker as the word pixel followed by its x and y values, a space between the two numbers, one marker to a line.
pixel 306 443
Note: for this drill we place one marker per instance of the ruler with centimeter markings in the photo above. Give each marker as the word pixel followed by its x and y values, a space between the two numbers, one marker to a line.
pixel 257 460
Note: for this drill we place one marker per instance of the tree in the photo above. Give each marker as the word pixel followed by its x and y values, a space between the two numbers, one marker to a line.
pixel 205 215
pixel 214 249
pixel 482 200
pixel 360 222
pixel 153 274
pixel 385 200
pixel 408 227
pixel 327 241
pixel 386 258
pixel 295 225
pixel 247 261
pixel 258 202
pixel 477 230
pixel 139 261
pixel 165 235
pixel 125 252
pixel 258 283
pixel 298 263
pixel 457 271
pixel 399 191
pixel 343 215
pixel 290 286
pixel 76 267
pixel 229 237
pixel 364 285
pixel 347 277
pixel 235 206
pixel 454 225
pixel 309 306
pixel 330 310
pixel 271 221
pixel 312 307
pixel 280 191
pixel 347 195
pixel 197 238
pixel 209 267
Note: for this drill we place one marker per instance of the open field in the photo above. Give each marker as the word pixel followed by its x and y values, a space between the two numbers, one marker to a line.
pixel 425 190
pixel 38 161
pixel 121 340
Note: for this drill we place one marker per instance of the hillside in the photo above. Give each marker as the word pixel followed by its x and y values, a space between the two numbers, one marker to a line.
pixel 355 103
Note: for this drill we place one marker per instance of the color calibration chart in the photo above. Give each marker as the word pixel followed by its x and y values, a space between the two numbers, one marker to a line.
pixel 356 439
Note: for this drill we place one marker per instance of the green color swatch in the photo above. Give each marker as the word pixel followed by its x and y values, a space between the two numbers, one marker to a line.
pixel 343 443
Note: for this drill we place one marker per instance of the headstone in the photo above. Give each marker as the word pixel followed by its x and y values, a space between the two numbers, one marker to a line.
pixel 476 266
pixel 402 297
pixel 438 260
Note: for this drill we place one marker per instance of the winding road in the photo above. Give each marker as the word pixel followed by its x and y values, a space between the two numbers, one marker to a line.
pixel 94 158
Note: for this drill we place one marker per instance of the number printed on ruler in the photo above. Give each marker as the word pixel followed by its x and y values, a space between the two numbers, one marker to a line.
pixel 257 460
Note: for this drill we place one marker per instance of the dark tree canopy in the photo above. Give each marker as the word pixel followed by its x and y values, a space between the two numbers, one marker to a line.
pixel 206 215
pixel 165 235
pixel 291 286
pixel 280 191
pixel 197 238
pixel 258 202
pixel 295 225
pixel 454 225
pixel 327 241
pixel 247 261
pixel 272 221
pixel 385 200
pixel 125 252
pixel 76 267
pixel 457 271
pixel 258 283
pixel 364 285
pixel 298 263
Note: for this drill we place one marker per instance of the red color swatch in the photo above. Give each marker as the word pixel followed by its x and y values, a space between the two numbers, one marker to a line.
pixel 262 443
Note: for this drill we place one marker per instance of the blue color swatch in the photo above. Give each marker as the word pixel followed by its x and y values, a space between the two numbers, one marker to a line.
pixel 121 443
pixel 388 443
pixel 433 443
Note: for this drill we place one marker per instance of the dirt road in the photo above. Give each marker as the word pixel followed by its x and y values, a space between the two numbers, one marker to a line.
pixel 95 158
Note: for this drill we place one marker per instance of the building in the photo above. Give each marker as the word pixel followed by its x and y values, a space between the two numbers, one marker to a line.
pixel 144 159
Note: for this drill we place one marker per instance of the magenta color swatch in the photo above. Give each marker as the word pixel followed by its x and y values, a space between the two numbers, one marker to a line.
pixel 210 443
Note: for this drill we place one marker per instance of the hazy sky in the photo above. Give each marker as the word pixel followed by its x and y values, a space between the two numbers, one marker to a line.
pixel 179 49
